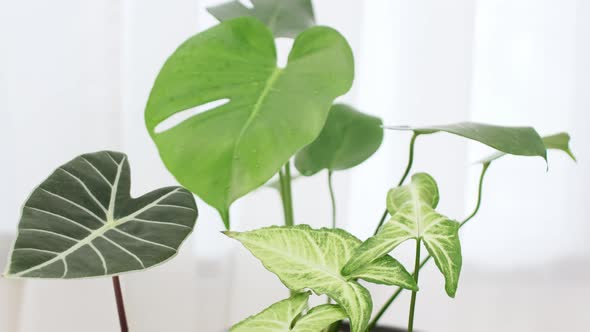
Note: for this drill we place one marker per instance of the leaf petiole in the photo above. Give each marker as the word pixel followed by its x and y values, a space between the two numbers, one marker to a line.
pixel 120 304
pixel 414 293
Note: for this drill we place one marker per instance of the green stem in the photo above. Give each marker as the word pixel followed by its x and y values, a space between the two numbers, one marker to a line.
pixel 332 198
pixel 286 195
pixel 401 181
pixel 414 293
pixel 427 259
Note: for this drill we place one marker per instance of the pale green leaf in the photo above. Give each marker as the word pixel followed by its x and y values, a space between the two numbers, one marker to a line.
pixel 285 18
pixel 319 318
pixel 386 271
pixel 82 222
pixel 304 258
pixel 522 141
pixel 558 141
pixel 278 317
pixel 413 217
pixel 262 116
pixel 348 138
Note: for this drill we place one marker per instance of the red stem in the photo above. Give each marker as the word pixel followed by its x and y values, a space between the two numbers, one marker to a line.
pixel 120 304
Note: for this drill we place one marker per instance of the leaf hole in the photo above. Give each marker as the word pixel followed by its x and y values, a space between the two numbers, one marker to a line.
pixel 178 118
pixel 284 46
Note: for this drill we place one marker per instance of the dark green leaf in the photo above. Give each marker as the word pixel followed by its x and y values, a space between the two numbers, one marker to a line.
pixel 269 113
pixel 82 222
pixel 348 138
pixel 285 18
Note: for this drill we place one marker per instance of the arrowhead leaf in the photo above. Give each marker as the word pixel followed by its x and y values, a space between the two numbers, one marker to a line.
pixel 349 137
pixel 278 317
pixel 413 216
pixel 304 258
pixel 522 141
pixel 281 316
pixel 319 318
pixel 558 141
pixel 82 222
pixel 285 18
pixel 264 114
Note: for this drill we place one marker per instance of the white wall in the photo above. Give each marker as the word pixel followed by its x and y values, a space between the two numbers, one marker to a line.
pixel 75 76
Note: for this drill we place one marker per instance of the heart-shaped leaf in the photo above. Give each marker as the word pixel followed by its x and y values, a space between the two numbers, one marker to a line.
pixel 413 217
pixel 269 112
pixel 348 138
pixel 304 258
pixel 285 18
pixel 82 222
pixel 560 141
pixel 522 141
pixel 282 317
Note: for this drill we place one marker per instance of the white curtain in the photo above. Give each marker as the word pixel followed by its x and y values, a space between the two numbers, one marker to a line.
pixel 75 76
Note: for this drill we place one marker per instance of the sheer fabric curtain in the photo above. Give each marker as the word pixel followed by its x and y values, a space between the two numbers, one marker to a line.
pixel 75 76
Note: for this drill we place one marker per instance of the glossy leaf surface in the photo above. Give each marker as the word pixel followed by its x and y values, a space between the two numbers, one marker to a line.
pixel 285 18
pixel 82 222
pixel 413 216
pixel 348 138
pixel 304 258
pixel 261 114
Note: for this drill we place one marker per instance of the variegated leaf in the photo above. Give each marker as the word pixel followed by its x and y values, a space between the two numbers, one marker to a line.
pixel 413 217
pixel 304 258
pixel 82 222
pixel 276 318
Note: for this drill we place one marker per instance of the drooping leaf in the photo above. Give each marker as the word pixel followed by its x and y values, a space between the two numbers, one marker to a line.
pixel 285 18
pixel 558 141
pixel 276 318
pixel 348 138
pixel 522 141
pixel 82 222
pixel 269 113
pixel 320 317
pixel 413 216
pixel 304 258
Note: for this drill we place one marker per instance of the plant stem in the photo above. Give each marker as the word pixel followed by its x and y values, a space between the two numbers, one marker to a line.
pixel 414 293
pixel 332 198
pixel 425 260
pixel 120 304
pixel 401 181
pixel 286 195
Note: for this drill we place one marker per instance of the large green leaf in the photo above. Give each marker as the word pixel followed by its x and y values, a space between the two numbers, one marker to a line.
pixel 269 113
pixel 282 317
pixel 560 141
pixel 304 258
pixel 82 222
pixel 348 138
pixel 522 141
pixel 285 18
pixel 413 217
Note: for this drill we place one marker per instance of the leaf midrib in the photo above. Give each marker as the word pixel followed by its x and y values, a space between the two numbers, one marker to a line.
pixel 257 107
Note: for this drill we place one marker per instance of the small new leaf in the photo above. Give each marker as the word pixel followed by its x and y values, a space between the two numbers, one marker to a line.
pixel 256 116
pixel 413 217
pixel 304 258
pixel 320 317
pixel 522 141
pixel 276 318
pixel 82 222
pixel 285 18
pixel 349 138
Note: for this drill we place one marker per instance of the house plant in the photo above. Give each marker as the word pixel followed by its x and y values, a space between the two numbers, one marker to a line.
pixel 254 119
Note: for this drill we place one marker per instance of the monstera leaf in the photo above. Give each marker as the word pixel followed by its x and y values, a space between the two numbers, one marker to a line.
pixel 82 222
pixel 264 114
pixel 281 317
pixel 413 217
pixel 560 141
pixel 304 258
pixel 348 138
pixel 522 141
pixel 285 18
